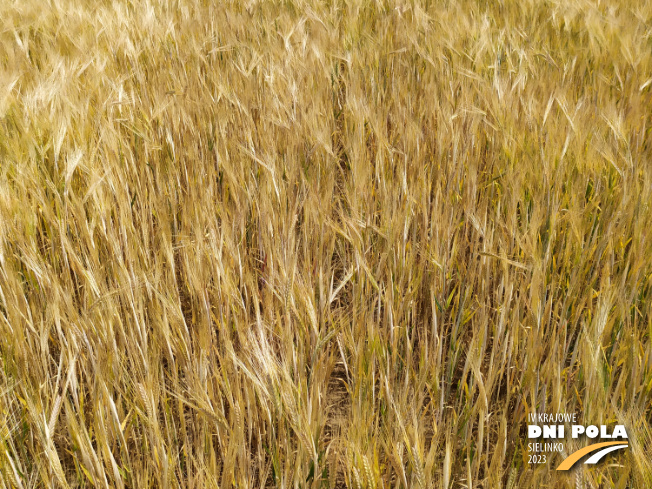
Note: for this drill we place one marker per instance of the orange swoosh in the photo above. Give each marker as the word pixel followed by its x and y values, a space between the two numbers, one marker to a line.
pixel 575 456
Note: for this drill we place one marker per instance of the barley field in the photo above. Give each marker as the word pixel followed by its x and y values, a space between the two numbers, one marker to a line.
pixel 305 244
